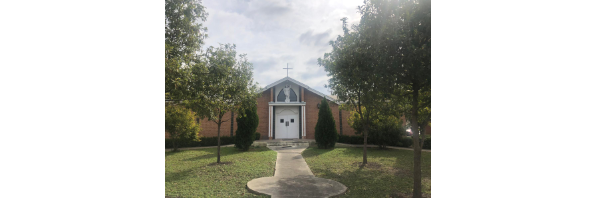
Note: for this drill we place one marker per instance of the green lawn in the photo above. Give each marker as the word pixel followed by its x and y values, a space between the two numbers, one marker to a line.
pixel 389 173
pixel 192 173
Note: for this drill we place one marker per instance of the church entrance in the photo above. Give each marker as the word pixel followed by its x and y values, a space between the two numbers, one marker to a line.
pixel 287 122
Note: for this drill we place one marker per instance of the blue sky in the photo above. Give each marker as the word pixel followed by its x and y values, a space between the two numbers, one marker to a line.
pixel 274 33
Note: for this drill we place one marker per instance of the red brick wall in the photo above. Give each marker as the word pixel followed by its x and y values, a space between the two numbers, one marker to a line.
pixel 311 113
pixel 210 129
pixel 347 130
pixel 262 112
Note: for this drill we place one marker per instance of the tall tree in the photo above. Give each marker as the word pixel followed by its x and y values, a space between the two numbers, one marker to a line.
pixel 354 76
pixel 225 85
pixel 184 36
pixel 400 34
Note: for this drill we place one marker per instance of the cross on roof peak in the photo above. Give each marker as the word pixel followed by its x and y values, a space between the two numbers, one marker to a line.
pixel 287 69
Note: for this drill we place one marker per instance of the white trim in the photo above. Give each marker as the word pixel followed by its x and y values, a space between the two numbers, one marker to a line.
pixel 291 110
pixel 300 84
pixel 303 119
pixel 286 103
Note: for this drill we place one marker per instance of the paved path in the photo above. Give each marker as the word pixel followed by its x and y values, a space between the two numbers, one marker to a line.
pixel 293 178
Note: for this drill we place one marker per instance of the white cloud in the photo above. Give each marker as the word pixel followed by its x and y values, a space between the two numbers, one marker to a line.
pixel 274 33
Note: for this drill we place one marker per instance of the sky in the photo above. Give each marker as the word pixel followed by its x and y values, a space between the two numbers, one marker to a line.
pixel 273 33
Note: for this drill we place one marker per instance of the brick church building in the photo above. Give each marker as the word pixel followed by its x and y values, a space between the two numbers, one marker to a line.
pixel 288 109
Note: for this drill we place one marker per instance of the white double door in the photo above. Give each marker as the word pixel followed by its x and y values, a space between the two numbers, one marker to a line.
pixel 287 127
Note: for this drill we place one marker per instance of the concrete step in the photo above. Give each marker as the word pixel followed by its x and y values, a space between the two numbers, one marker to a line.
pixel 288 144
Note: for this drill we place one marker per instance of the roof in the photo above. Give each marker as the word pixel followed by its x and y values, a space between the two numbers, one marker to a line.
pixel 300 84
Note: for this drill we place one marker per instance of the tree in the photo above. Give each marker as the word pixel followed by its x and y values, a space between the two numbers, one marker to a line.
pixel 400 34
pixel 326 134
pixel 184 35
pixel 246 127
pixel 223 86
pixel 181 125
pixel 385 129
pixel 354 76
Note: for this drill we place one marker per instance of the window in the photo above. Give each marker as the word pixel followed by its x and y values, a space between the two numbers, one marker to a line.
pixel 281 120
pixel 292 120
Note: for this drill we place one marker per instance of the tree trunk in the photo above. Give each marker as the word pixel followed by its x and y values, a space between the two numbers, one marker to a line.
pixel 365 147
pixel 218 161
pixel 417 171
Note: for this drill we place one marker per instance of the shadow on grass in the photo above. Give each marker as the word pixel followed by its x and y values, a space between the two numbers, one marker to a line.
pixel 172 177
pixel 224 151
pixel 314 152
pixel 366 182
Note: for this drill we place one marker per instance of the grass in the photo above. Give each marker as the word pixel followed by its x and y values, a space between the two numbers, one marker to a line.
pixel 193 173
pixel 389 173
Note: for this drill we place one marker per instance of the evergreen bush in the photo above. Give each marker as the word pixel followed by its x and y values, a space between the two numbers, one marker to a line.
pixel 246 127
pixel 406 141
pixel 257 136
pixel 326 135
pixel 180 124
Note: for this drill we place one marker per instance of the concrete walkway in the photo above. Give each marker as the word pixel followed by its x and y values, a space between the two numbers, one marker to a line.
pixel 293 178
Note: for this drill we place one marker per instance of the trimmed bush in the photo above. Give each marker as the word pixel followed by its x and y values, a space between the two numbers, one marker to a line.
pixel 354 139
pixel 257 136
pixel 427 143
pixel 326 135
pixel 386 131
pixel 405 141
pixel 204 141
pixel 247 124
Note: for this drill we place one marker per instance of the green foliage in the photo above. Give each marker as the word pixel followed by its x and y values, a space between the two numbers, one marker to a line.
pixel 354 139
pixel 387 131
pixel 405 141
pixel 202 141
pixel 326 134
pixel 257 136
pixel 246 127
pixel 427 143
pixel 184 35
pixel 180 123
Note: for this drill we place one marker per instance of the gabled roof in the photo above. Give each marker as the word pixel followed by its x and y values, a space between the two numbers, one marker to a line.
pixel 300 84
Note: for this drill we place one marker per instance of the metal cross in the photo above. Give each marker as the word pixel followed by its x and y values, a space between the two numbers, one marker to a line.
pixel 287 69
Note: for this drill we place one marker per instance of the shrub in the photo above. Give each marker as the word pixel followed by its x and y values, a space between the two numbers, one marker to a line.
pixel 203 141
pixel 326 135
pixel 180 124
pixel 405 141
pixel 354 139
pixel 427 143
pixel 247 124
pixel 386 131
pixel 257 136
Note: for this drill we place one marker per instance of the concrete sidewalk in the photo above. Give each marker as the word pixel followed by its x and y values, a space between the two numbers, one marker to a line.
pixel 293 178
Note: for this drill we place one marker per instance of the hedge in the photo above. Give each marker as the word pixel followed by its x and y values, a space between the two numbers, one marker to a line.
pixel 404 141
pixel 427 143
pixel 354 139
pixel 204 141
